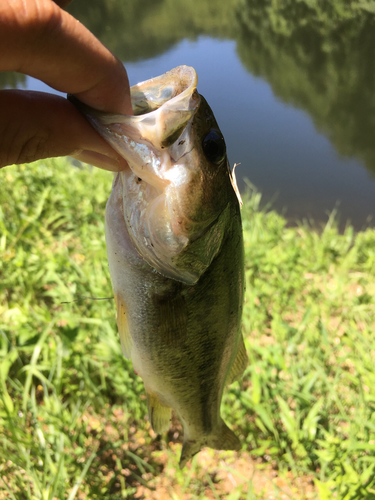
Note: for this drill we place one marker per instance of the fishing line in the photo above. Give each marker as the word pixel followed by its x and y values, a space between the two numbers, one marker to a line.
pixel 91 298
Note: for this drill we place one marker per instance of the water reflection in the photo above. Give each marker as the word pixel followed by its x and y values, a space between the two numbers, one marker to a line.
pixel 319 57
pixel 141 29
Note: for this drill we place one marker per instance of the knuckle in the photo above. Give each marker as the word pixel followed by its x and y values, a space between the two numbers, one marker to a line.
pixel 37 16
pixel 50 17
pixel 33 148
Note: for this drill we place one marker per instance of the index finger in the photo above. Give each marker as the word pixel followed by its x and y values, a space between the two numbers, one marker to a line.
pixel 40 39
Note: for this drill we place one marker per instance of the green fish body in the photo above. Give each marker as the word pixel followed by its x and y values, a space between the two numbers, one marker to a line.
pixel 176 259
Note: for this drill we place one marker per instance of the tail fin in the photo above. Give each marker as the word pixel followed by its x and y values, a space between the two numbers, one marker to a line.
pixel 222 439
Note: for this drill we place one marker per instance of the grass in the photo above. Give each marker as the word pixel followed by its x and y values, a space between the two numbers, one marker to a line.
pixel 73 419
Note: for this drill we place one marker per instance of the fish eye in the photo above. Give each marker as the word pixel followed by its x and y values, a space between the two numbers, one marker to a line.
pixel 214 146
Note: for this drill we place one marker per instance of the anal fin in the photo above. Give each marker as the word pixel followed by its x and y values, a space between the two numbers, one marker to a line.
pixel 123 327
pixel 239 365
pixel 159 414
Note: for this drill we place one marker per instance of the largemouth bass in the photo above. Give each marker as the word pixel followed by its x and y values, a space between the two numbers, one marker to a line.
pixel 175 252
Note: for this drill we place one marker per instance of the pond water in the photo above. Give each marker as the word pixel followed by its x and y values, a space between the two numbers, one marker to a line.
pixel 292 86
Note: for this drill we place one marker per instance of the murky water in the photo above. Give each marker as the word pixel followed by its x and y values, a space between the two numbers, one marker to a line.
pixel 291 84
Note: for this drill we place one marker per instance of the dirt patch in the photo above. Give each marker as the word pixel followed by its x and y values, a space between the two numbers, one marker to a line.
pixel 215 475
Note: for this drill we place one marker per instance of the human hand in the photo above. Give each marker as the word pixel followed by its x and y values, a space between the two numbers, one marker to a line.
pixel 40 39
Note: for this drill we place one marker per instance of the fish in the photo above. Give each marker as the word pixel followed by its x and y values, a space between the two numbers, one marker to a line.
pixel 176 256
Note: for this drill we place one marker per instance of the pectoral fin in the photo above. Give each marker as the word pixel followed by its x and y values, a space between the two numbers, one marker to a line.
pixel 123 327
pixel 159 415
pixel 239 365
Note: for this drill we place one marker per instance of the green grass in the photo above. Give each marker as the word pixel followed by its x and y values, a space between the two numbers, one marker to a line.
pixel 73 419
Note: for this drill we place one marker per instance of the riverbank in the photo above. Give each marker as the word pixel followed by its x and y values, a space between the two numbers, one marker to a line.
pixel 73 413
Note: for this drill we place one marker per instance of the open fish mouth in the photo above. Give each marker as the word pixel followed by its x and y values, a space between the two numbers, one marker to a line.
pixel 163 107
pixel 177 87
